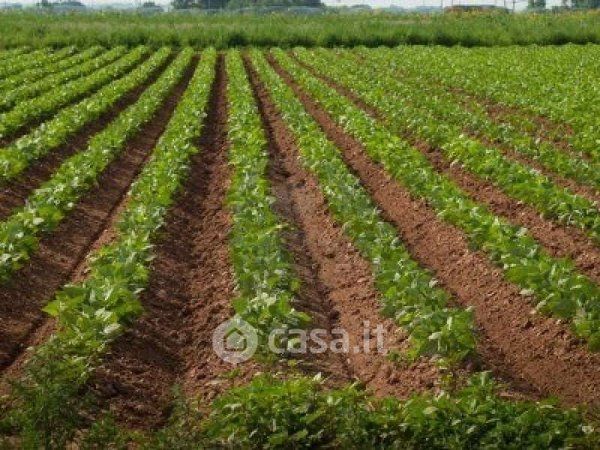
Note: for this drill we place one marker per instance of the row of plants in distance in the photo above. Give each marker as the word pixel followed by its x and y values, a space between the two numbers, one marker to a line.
pixel 266 284
pixel 47 403
pixel 334 27
pixel 24 62
pixel 45 105
pixel 18 155
pixel 84 63
pixel 47 206
pixel 554 284
pixel 409 293
pixel 43 66
pixel 446 105
pixel 517 180
pixel 8 55
pixel 561 84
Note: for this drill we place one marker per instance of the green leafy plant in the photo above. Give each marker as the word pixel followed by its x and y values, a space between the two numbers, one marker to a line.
pixel 25 61
pixel 7 56
pixel 554 284
pixel 17 156
pixel 54 62
pixel 38 81
pixel 265 281
pixel 409 293
pixel 45 105
pixel 94 312
pixel 273 412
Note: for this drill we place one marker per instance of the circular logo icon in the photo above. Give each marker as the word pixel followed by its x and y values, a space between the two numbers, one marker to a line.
pixel 235 341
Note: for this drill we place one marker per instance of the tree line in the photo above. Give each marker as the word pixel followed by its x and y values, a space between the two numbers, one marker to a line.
pixel 234 4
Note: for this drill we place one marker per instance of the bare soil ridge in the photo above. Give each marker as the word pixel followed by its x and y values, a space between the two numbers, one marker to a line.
pixel 539 356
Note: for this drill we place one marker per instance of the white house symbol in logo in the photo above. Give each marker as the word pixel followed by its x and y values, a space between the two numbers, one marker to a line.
pixel 235 340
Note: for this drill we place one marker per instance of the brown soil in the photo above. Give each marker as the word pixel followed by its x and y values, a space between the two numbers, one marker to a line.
pixel 336 279
pixel 546 130
pixel 574 186
pixel 559 240
pixel 312 297
pixel 14 193
pixel 537 354
pixel 189 295
pixel 22 323
pixel 496 112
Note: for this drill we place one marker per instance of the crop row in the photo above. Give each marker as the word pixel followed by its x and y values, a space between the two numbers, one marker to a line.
pixel 517 180
pixel 90 64
pixel 46 207
pixel 93 313
pixel 9 55
pixel 271 411
pixel 265 281
pixel 561 83
pixel 47 104
pixel 42 65
pixel 18 155
pixel 409 293
pixel 24 62
pixel 554 283
pixel 411 86
pixel 32 81
pixel 274 412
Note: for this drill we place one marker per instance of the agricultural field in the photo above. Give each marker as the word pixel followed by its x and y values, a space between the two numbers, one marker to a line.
pixel 307 247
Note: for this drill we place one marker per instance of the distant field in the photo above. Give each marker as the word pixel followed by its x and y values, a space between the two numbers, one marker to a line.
pixel 329 30
pixel 445 197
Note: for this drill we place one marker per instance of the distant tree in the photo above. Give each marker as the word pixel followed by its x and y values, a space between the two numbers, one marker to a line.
pixel 249 3
pixel 593 4
pixel 218 4
pixel 200 4
pixel 213 4
pixel 536 4
pixel 184 4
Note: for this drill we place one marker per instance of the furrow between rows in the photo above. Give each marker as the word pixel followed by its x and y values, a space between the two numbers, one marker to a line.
pixel 537 353
pixel 559 240
pixel 348 297
pixel 14 193
pixel 62 252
